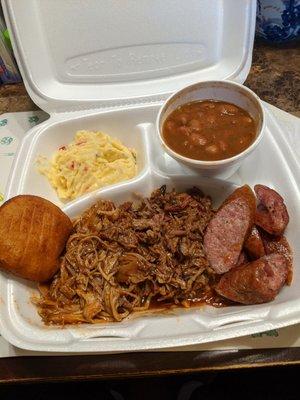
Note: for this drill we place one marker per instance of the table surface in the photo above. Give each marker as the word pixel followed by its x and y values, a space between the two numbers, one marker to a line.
pixel 275 77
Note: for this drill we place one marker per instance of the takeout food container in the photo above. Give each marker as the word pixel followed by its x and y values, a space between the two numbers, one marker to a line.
pixel 227 91
pixel 112 73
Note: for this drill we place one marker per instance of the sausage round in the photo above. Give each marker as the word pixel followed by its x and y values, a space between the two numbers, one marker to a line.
pixel 256 282
pixel 254 244
pixel 280 245
pixel 271 214
pixel 243 259
pixel 227 230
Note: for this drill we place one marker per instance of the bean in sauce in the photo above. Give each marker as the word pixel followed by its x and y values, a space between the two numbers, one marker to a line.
pixel 209 130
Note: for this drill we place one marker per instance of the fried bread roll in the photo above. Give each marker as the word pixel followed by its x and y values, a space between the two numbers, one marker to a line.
pixel 33 233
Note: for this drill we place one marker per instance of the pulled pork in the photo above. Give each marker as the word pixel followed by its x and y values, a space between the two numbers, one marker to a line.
pixel 120 260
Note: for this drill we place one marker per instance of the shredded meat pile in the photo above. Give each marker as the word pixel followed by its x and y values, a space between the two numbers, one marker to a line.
pixel 120 260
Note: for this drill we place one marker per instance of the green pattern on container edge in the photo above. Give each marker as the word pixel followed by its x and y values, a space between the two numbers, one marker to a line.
pixel 6 140
pixel 34 119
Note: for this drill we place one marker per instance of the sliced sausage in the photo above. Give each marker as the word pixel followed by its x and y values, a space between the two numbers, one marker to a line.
pixel 254 244
pixel 256 282
pixel 271 214
pixel 227 230
pixel 243 259
pixel 280 245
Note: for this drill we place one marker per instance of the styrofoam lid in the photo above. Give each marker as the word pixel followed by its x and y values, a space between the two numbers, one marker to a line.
pixel 81 54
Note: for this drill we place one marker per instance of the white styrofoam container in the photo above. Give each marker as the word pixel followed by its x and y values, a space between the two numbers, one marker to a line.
pixel 273 164
pixel 110 74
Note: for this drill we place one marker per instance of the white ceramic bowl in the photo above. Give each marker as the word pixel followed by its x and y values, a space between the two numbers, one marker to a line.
pixel 214 90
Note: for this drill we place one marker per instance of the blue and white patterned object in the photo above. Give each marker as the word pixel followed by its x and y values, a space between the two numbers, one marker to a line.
pixel 278 21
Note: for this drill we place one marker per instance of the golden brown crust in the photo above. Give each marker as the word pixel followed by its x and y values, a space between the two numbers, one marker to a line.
pixel 33 233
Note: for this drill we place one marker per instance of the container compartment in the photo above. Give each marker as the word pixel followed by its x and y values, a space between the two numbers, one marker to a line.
pixel 272 164
pixel 125 125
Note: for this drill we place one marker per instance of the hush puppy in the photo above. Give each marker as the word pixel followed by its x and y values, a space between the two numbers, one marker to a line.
pixel 33 234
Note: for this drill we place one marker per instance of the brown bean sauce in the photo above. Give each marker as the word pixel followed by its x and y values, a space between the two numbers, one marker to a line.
pixel 209 130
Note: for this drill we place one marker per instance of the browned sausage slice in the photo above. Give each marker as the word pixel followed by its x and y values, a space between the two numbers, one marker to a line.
pixel 243 259
pixel 227 230
pixel 256 282
pixel 254 244
pixel 280 245
pixel 271 214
